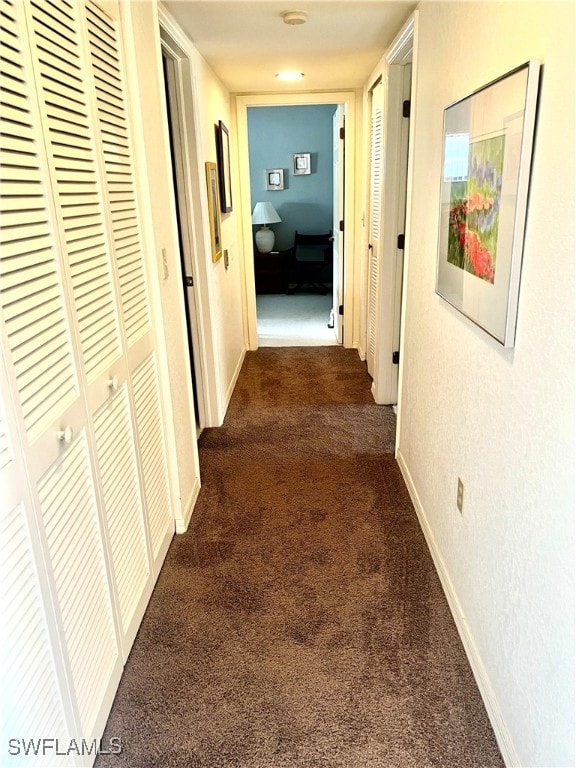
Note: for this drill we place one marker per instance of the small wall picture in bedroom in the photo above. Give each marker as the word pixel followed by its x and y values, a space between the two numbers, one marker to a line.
pixel 274 179
pixel 487 153
pixel 302 164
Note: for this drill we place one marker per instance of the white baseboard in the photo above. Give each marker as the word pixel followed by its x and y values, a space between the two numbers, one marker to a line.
pixel 182 523
pixel 501 732
pixel 232 384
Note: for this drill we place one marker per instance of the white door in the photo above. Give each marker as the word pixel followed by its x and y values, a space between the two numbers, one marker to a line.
pixel 79 352
pixel 374 220
pixel 337 223
pixel 388 301
pixel 51 361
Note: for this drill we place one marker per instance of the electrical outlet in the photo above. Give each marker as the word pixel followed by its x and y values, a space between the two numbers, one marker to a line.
pixel 460 495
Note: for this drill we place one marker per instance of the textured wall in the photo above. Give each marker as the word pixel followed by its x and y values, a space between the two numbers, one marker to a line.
pixel 503 420
pixel 275 134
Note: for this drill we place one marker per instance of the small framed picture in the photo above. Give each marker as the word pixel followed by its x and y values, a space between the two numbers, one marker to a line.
pixel 274 178
pixel 214 210
pixel 302 164
pixel 223 151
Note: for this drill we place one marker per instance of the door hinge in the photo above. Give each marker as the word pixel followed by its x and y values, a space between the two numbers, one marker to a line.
pixel 341 309
pixel 342 133
pixel 189 281
pixel 341 225
pixel 400 244
pixel 406 108
pixel 396 357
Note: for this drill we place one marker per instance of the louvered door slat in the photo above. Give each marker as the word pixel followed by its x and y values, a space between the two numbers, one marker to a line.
pixel 112 112
pixel 16 217
pixel 15 135
pixel 31 294
pixel 14 103
pixel 20 160
pixel 13 272
pixel 76 181
pixel 71 523
pixel 39 240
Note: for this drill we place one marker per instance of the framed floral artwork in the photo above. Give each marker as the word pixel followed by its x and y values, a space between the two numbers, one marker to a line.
pixel 487 151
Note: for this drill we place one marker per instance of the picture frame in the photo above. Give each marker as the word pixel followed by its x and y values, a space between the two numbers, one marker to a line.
pixel 212 188
pixel 274 179
pixel 487 151
pixel 301 164
pixel 224 177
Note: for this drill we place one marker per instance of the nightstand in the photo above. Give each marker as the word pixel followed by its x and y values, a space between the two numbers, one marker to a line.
pixel 271 271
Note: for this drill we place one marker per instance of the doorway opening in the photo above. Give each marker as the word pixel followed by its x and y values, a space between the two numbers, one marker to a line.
pixel 297 291
pixel 389 102
pixel 188 181
pixel 175 159
pixel 343 310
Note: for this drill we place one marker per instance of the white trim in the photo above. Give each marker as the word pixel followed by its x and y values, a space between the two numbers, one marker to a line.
pixel 196 202
pixel 233 380
pixel 350 100
pixel 400 51
pixel 489 698
pixel 408 225
pixel 182 522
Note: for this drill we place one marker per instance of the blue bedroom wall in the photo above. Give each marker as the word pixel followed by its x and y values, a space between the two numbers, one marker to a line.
pixel 275 134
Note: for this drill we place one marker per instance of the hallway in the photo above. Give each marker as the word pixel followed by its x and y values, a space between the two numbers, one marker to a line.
pixel 300 622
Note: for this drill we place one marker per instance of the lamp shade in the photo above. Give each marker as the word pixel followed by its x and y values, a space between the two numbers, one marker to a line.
pixel 265 213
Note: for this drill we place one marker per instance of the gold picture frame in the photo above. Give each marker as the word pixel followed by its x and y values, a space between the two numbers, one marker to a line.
pixel 214 210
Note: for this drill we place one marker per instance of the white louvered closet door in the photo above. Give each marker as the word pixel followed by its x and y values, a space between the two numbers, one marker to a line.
pixel 122 205
pixel 375 215
pixel 48 376
pixel 79 350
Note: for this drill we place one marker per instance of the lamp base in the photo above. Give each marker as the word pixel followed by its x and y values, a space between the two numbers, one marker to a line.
pixel 264 238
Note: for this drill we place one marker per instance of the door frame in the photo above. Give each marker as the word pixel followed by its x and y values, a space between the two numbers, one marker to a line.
pixel 349 101
pixel 394 215
pixel 188 197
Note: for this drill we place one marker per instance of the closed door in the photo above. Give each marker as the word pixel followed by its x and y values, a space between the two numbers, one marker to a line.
pixel 79 349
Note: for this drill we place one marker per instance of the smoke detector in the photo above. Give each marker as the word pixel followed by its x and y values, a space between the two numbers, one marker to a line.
pixel 294 17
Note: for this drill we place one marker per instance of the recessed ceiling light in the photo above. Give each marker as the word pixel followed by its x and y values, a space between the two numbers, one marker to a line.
pixel 294 17
pixel 290 75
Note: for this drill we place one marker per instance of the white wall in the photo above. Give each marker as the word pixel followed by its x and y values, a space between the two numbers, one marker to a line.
pixel 226 291
pixel 502 420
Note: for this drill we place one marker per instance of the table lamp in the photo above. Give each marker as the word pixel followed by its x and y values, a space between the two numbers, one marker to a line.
pixel 264 213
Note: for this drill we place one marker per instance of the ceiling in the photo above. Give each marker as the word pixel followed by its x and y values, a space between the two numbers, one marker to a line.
pixel 247 43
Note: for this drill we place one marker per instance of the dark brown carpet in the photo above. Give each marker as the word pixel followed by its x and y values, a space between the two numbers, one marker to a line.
pixel 300 622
